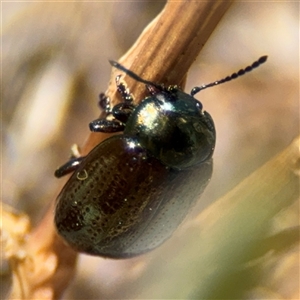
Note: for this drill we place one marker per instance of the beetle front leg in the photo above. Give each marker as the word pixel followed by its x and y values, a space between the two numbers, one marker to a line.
pixel 124 91
pixel 118 115
pixel 123 110
pixel 105 125
pixel 104 103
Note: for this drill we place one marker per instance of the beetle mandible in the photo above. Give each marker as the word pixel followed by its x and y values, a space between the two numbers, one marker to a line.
pixel 130 193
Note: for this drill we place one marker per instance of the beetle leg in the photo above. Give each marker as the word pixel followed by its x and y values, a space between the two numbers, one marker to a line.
pixel 72 164
pixel 124 91
pixel 68 167
pixel 108 126
pixel 104 103
pixel 123 110
pixel 120 112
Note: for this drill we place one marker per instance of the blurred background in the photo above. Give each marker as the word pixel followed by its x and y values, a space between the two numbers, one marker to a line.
pixel 54 65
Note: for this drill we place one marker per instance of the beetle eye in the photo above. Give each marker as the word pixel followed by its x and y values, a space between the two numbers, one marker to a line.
pixel 199 105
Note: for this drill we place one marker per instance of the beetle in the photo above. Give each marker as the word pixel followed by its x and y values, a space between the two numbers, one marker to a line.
pixel 130 193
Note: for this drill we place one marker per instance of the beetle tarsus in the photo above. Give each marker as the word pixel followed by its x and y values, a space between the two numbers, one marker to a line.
pixel 104 103
pixel 124 91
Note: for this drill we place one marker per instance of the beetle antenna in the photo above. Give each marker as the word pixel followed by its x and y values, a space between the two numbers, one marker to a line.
pixel 241 72
pixel 133 75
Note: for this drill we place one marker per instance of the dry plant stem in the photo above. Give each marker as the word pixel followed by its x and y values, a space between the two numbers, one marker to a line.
pixel 163 53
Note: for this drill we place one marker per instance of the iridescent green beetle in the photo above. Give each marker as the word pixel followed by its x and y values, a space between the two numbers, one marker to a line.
pixel 130 193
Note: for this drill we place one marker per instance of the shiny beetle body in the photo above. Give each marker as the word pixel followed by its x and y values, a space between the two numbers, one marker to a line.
pixel 130 193
pixel 124 202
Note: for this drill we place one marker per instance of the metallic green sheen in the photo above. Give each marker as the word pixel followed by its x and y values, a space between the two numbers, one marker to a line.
pixel 173 128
